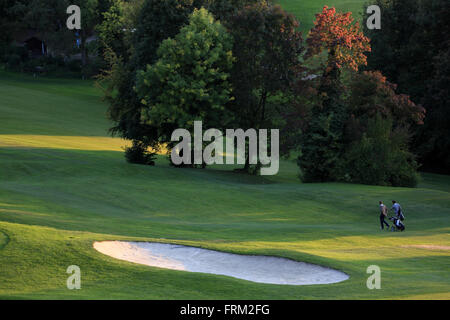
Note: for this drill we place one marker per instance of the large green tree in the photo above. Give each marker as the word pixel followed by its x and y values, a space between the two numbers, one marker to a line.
pixel 156 21
pixel 267 47
pixel 190 79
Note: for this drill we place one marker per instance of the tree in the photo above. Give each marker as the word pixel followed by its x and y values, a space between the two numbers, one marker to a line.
pixel 373 147
pixel 223 10
pixel 341 37
pixel 156 21
pixel 89 19
pixel 371 94
pixel 267 47
pixel 111 31
pixel 9 22
pixel 321 157
pixel 391 49
pixel 435 135
pixel 190 79
pixel 116 30
pixel 381 156
pixel 322 149
pixel 377 132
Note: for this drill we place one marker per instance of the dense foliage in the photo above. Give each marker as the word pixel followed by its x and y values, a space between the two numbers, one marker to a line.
pixel 190 79
pixel 267 46
pixel 381 156
pixel 322 143
pixel 377 132
pixel 412 50
pixel 342 138
pixel 341 36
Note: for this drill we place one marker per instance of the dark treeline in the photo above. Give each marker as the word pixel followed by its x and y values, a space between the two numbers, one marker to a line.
pixel 412 50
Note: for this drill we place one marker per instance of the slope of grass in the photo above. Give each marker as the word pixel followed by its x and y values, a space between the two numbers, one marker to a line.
pixel 305 10
pixel 64 184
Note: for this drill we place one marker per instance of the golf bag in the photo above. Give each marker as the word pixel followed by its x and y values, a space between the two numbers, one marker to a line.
pixel 398 225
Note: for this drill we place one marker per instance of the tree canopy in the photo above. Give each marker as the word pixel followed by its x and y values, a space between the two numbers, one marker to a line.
pixel 190 79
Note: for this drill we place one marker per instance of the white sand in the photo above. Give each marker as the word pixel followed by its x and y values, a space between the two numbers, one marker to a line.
pixel 260 269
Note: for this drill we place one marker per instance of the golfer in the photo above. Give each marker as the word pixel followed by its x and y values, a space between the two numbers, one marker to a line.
pixel 383 214
pixel 398 209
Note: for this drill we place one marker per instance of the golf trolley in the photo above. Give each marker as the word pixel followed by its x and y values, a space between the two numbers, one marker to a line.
pixel 398 225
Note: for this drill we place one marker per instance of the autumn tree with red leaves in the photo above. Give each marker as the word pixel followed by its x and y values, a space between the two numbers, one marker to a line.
pixel 377 132
pixel 342 37
pixel 372 93
pixel 322 146
pixel 358 132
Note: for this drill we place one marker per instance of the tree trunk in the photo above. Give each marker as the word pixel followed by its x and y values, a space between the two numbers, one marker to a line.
pixel 247 162
pixel 84 54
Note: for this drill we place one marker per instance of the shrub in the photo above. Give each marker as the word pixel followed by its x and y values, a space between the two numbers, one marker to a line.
pixel 138 153
pixel 12 56
pixel 321 151
pixel 381 156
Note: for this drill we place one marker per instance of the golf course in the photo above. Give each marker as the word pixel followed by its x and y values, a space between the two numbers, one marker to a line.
pixel 305 10
pixel 64 184
pixel 98 202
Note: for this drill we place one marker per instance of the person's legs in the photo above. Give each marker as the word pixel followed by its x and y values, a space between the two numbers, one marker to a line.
pixel 382 222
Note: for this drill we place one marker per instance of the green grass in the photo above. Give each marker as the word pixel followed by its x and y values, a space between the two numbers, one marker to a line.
pixel 65 184
pixel 305 10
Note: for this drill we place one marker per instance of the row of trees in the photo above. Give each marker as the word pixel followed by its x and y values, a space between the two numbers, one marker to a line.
pixel 223 73
pixel 244 64
pixel 354 126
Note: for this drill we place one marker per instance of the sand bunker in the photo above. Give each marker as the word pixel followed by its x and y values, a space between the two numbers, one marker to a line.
pixel 260 269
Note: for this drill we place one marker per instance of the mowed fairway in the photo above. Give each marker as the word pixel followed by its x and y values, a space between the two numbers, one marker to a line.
pixel 305 10
pixel 64 184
